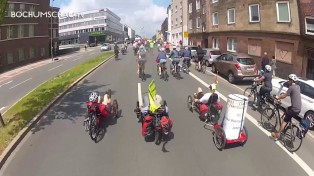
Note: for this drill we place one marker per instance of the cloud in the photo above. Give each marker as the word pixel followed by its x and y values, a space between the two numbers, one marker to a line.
pixel 137 14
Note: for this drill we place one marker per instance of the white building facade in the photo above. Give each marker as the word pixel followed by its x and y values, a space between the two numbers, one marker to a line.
pixel 179 18
pixel 169 36
pixel 91 27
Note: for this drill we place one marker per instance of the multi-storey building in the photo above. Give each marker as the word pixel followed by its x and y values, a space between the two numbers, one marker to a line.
pixel 169 36
pixel 24 40
pixel 198 27
pixel 179 21
pixel 91 27
pixel 283 29
pixel 131 34
pixel 164 29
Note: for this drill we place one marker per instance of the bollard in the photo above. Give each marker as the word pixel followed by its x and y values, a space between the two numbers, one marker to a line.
pixel 1 120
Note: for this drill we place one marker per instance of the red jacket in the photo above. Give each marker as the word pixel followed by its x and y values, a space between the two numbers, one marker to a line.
pixel 102 108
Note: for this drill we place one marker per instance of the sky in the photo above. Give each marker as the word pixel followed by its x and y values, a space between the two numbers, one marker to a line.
pixel 144 16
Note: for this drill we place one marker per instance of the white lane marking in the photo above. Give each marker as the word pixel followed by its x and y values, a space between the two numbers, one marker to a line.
pixel 2 108
pixel 6 83
pixel 20 83
pixel 55 67
pixel 294 156
pixel 139 94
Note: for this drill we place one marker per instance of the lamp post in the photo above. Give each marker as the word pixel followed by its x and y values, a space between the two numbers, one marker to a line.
pixel 51 37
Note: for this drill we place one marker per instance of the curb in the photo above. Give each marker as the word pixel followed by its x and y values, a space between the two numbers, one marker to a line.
pixel 20 136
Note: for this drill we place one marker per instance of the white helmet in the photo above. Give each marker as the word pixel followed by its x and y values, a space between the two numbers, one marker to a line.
pixel 293 77
pixel 93 97
pixel 268 68
pixel 162 49
pixel 158 100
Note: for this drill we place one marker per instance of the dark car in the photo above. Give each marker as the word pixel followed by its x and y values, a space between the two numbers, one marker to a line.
pixel 92 44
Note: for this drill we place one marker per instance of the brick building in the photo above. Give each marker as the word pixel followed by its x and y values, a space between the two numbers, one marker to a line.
pixel 283 29
pixel 23 40
pixel 164 29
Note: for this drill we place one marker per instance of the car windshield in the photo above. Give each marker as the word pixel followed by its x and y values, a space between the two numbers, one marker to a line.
pixel 193 48
pixel 215 53
pixel 246 61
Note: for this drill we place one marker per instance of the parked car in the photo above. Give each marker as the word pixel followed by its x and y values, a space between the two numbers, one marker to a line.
pixel 307 96
pixel 210 55
pixel 92 44
pixel 105 47
pixel 237 66
pixel 193 51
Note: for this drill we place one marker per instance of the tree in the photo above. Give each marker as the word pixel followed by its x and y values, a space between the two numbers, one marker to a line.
pixel 3 5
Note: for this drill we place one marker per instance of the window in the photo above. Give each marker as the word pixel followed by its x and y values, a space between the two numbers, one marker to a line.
pixel 181 5
pixel 198 22
pixel 22 7
pixel 176 8
pixel 203 9
pixel 214 1
pixel 31 30
pixel 215 43
pixel 21 54
pixel 31 53
pixel 232 45
pixel 309 26
pixel 10 9
pixel 254 13
pixel 215 19
pixel 198 4
pixel 21 31
pixel 10 58
pixel 308 90
pixel 54 33
pixel 190 24
pixel 32 8
pixel 180 19
pixel 10 32
pixel 283 11
pixel 42 52
pixel 231 16
pixel 190 8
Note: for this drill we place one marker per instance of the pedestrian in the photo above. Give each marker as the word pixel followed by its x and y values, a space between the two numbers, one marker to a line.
pixel 265 61
pixel 273 65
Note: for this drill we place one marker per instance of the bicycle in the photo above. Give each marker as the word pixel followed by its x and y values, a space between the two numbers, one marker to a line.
pixel 185 65
pixel 141 70
pixel 291 131
pixel 203 67
pixel 164 75
pixel 252 91
pixel 175 68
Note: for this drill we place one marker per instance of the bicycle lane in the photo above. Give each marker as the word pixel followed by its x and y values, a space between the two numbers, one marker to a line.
pixel 305 152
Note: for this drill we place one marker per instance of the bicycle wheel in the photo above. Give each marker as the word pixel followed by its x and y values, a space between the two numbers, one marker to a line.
pixel 115 109
pixel 250 94
pixel 93 132
pixel 269 119
pixel 214 117
pixel 190 102
pixel 291 138
pixel 219 138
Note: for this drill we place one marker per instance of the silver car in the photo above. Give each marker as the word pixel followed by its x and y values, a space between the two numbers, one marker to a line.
pixel 210 56
pixel 105 47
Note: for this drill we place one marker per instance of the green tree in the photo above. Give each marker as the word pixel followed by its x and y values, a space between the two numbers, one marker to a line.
pixel 3 5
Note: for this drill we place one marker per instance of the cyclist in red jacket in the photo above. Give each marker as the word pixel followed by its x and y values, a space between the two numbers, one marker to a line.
pixel 95 100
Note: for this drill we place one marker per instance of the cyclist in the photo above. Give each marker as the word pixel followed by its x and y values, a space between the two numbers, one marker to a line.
pixel 104 107
pixel 175 57
pixel 141 57
pixel 206 100
pixel 161 60
pixel 200 56
pixel 267 86
pixel 186 57
pixel 295 108
pixel 135 48
pixel 151 45
pixel 116 48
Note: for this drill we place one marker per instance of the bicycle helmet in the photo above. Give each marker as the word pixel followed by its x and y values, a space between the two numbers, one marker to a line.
pixel 293 77
pixel 186 48
pixel 93 97
pixel 162 49
pixel 268 68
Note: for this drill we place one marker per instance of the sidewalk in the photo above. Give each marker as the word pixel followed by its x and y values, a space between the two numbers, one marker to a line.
pixel 22 69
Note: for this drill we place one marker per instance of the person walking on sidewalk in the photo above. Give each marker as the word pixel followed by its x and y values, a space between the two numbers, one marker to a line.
pixel 265 61
pixel 273 66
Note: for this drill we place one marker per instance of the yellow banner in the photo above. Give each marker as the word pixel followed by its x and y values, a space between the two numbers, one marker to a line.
pixel 186 35
pixel 152 92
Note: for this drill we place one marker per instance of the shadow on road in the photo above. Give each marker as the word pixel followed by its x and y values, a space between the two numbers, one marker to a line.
pixel 167 139
pixel 72 107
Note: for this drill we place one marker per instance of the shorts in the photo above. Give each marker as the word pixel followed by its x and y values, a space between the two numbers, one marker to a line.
pixel 199 95
pixel 163 61
pixel 141 61
pixel 291 114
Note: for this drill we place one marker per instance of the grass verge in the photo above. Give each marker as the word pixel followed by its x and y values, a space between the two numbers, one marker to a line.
pixel 17 117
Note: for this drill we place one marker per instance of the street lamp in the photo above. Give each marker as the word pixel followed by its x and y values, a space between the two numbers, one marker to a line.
pixel 51 45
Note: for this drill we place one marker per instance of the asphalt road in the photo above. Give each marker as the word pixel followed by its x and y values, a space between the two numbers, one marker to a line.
pixel 15 88
pixel 59 146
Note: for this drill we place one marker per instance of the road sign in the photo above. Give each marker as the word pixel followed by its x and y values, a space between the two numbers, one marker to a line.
pixel 186 35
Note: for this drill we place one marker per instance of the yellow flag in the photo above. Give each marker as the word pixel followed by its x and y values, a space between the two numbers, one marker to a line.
pixel 152 92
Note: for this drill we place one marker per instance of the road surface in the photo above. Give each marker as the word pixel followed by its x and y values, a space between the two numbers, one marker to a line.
pixel 59 146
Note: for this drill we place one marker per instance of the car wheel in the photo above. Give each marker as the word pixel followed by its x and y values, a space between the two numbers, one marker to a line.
pixel 310 117
pixel 207 63
pixel 231 77
pixel 214 70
